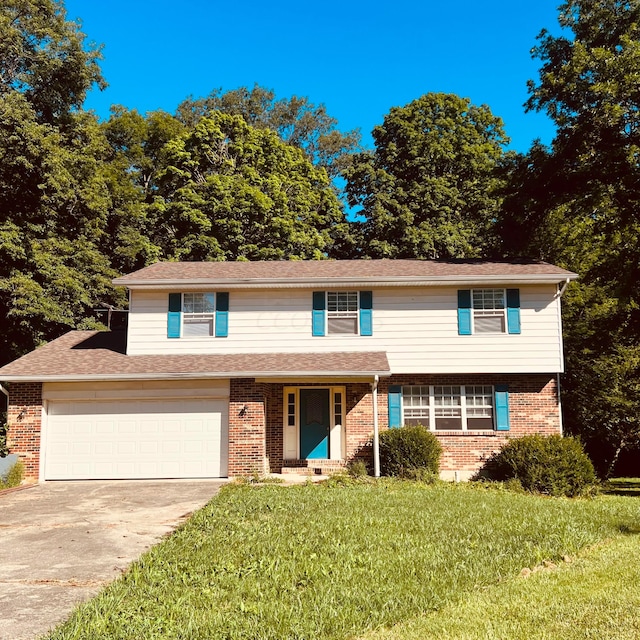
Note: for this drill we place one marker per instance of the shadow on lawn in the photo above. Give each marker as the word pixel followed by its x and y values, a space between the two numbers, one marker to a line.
pixel 622 487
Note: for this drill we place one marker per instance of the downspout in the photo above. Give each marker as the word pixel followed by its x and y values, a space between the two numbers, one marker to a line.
pixel 561 290
pixel 6 393
pixel 376 442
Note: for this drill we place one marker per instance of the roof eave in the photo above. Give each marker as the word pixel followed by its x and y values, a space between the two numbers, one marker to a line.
pixel 298 283
pixel 193 375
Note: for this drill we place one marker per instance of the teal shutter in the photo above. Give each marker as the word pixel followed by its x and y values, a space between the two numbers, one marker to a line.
pixel 366 313
pixel 318 313
pixel 174 316
pixel 464 312
pixel 513 310
pixel 222 315
pixel 395 406
pixel 502 407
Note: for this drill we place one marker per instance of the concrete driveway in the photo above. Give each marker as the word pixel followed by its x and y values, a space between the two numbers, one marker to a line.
pixel 61 542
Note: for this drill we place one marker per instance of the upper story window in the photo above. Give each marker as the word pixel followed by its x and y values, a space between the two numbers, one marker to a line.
pixel 342 312
pixel 198 315
pixel 488 311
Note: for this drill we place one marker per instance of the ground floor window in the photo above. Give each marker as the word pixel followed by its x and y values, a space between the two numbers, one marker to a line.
pixel 449 407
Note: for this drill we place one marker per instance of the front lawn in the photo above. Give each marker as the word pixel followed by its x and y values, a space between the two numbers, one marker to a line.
pixel 321 562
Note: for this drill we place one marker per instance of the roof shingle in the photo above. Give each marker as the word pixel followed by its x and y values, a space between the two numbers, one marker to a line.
pixel 85 355
pixel 327 270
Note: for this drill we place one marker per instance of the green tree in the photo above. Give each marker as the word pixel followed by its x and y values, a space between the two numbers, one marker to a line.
pixel 576 204
pixel 296 120
pixel 429 189
pixel 229 191
pixel 44 56
pixel 54 193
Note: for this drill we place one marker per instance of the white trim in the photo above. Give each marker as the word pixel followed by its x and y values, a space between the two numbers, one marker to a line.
pixel 339 282
pixel 196 374
pixel 337 432
pixel 3 390
pixel 376 438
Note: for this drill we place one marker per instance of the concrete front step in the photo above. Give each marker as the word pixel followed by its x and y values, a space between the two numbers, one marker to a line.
pixel 312 467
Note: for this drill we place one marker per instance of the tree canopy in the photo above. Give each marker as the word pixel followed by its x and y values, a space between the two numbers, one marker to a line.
pixel 429 189
pixel 296 120
pixel 576 204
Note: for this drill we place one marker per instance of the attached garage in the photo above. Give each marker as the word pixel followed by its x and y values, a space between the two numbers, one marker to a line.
pixel 152 435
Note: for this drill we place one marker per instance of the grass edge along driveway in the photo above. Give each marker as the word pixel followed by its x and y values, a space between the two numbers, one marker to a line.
pixel 338 561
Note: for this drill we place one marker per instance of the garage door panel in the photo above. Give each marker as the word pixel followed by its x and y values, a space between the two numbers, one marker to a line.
pixel 136 439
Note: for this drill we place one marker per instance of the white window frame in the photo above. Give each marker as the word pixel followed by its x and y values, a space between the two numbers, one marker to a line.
pixel 192 317
pixel 337 415
pixel 489 294
pixel 431 409
pixel 343 313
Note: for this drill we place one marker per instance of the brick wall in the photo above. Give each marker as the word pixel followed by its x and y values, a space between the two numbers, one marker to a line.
pixel 24 421
pixel 247 437
pixel 533 408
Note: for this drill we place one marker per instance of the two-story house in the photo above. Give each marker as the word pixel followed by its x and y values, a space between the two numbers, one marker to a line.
pixel 233 368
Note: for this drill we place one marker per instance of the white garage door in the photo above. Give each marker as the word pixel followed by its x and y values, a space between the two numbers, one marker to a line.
pixel 136 439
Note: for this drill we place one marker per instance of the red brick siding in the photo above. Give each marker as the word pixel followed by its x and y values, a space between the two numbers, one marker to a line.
pixel 247 434
pixel 24 421
pixel 533 408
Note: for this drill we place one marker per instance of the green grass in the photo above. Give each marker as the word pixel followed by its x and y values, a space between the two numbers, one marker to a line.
pixel 330 562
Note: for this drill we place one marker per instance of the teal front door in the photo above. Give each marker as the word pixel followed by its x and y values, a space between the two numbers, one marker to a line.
pixel 314 423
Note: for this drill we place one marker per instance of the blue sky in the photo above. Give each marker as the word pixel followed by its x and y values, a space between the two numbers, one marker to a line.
pixel 358 58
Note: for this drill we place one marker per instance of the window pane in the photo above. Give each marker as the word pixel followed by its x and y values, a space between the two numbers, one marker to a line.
pixel 488 298
pixel 448 404
pixel 488 324
pixel 448 423
pixel 198 327
pixel 479 402
pixel 342 325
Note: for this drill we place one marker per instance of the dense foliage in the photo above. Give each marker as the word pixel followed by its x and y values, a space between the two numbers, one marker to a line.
pixel 551 465
pixel 408 451
pixel 430 187
pixel 576 204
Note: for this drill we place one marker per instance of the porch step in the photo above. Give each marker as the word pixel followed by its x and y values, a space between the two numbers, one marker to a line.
pixel 313 467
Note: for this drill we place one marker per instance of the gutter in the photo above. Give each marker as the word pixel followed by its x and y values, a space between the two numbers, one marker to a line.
pixel 308 283
pixel 564 286
pixel 194 375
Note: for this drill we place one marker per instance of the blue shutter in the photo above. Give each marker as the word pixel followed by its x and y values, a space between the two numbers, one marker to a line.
pixel 174 317
pixel 319 305
pixel 464 312
pixel 513 310
pixel 366 313
pixel 222 315
pixel 395 406
pixel 502 407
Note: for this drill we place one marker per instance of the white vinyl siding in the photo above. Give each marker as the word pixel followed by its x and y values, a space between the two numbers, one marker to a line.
pixel 416 327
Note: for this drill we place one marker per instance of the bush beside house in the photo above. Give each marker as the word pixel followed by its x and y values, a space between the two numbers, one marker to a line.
pixel 552 465
pixel 409 452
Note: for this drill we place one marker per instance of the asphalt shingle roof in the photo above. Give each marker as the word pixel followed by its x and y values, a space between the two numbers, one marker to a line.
pixel 327 270
pixel 101 355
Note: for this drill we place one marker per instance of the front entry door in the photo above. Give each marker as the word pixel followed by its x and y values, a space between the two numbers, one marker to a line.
pixel 314 424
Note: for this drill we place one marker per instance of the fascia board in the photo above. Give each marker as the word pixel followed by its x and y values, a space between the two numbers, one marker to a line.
pixel 307 283
pixel 193 375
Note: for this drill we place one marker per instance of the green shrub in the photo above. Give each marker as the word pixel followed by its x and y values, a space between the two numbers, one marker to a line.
pixel 3 438
pixel 357 468
pixel 551 465
pixel 14 477
pixel 405 450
